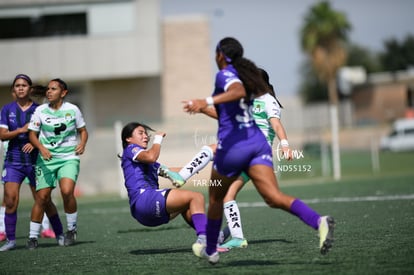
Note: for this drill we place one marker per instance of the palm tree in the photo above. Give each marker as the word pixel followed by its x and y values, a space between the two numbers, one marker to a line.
pixel 323 37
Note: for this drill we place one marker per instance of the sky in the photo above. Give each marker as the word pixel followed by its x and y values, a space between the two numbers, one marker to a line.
pixel 269 30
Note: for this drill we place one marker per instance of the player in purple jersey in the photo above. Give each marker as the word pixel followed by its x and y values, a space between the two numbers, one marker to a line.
pixel 150 205
pixel 20 156
pixel 242 147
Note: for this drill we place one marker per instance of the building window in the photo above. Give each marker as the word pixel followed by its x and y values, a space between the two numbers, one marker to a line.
pixel 42 26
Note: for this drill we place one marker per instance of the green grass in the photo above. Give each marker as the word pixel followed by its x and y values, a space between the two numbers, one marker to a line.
pixel 353 164
pixel 374 235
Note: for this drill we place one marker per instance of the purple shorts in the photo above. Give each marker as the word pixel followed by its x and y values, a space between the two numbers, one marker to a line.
pixel 149 208
pixel 18 173
pixel 237 157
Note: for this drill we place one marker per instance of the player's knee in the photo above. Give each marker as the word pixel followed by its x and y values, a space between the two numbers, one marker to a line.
pixel 199 198
pixel 11 202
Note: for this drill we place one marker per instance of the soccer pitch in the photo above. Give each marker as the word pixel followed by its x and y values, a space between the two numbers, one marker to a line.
pixel 373 235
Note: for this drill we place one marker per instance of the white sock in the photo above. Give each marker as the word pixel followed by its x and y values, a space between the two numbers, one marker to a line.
pixel 232 213
pixel 71 220
pixel 198 162
pixel 2 214
pixel 45 222
pixel 34 229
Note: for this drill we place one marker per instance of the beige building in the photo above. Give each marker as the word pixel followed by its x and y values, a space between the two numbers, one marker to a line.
pixel 384 98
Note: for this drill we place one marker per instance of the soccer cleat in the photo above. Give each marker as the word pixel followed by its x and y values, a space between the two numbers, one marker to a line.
pixel 234 243
pixel 48 233
pixel 60 240
pixel 9 245
pixel 3 236
pixel 174 177
pixel 32 243
pixel 326 232
pixel 70 237
pixel 199 249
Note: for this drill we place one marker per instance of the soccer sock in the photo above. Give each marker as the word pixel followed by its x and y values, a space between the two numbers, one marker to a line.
pixel 198 162
pixel 34 229
pixel 200 222
pixel 305 213
pixel 45 222
pixel 2 213
pixel 10 222
pixel 232 213
pixel 56 225
pixel 71 220
pixel 213 230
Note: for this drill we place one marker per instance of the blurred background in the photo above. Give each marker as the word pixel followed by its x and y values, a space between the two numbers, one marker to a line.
pixel 343 70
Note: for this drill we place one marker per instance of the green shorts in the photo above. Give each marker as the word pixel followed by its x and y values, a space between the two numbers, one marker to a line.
pixel 48 173
pixel 245 177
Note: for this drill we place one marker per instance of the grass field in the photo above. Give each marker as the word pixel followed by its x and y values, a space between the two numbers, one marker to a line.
pixel 374 234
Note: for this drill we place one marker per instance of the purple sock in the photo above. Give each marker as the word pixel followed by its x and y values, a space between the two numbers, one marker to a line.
pixel 200 223
pixel 213 230
pixel 305 213
pixel 10 221
pixel 56 225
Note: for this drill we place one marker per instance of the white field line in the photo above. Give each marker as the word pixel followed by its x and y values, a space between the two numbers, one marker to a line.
pixel 343 199
pixel 263 204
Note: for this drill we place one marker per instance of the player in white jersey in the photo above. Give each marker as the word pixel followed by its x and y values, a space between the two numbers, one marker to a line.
pixel 54 129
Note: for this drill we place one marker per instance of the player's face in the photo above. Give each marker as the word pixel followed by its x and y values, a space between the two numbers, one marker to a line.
pixel 54 92
pixel 21 88
pixel 139 137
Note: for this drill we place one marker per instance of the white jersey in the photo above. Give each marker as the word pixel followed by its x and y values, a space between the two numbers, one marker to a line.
pixel 58 128
pixel 266 107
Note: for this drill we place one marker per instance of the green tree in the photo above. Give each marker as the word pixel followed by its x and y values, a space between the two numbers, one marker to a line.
pixel 398 56
pixel 311 89
pixel 360 56
pixel 323 37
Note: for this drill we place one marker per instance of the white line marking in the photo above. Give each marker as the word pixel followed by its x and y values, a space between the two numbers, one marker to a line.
pixel 104 211
pixel 343 199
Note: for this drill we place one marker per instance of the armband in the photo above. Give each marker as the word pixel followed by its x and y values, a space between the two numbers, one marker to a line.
pixel 284 143
pixel 210 101
pixel 158 139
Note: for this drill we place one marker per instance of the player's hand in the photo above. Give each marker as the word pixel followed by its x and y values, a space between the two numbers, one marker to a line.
pixel 160 133
pixel 194 105
pixel 287 153
pixel 80 149
pixel 45 153
pixel 27 148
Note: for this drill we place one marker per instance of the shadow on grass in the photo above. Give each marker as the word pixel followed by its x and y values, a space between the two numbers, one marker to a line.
pixel 160 251
pixel 152 229
pixel 269 241
pixel 47 245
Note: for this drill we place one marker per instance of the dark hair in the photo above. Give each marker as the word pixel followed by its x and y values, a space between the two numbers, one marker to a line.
pixel 247 71
pixel 129 128
pixel 38 91
pixel 62 83
pixel 22 76
pixel 271 90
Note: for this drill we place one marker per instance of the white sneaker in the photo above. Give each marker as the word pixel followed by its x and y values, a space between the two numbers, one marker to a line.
pixel 9 245
pixel 199 250
pixel 61 240
pixel 326 234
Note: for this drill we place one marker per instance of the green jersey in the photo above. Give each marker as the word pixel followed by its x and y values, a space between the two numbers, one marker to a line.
pixel 264 108
pixel 58 128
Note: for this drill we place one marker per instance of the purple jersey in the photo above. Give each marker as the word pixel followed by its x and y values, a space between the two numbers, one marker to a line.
pixel 147 202
pixel 13 117
pixel 241 143
pixel 138 175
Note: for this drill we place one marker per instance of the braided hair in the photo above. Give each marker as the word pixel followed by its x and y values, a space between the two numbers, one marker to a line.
pixel 247 71
pixel 271 90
